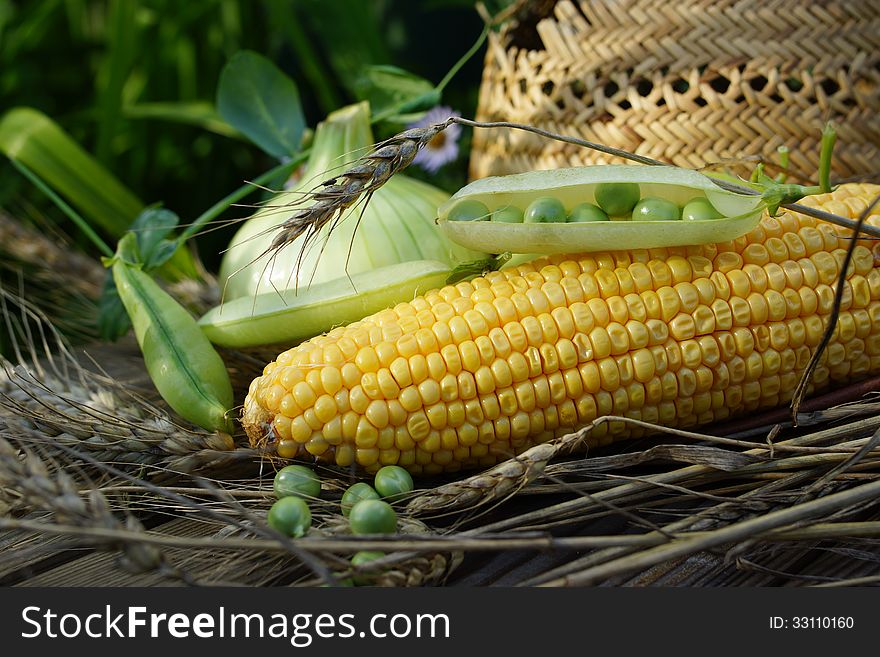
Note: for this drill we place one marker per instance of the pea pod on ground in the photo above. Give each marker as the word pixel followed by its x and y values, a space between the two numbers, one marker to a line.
pixel 186 370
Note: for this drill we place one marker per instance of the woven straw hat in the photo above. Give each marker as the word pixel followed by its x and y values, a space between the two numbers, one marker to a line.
pixel 690 82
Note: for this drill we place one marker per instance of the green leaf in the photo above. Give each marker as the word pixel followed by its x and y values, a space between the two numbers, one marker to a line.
pixel 392 90
pixel 113 321
pixel 30 137
pixel 420 103
pixel 468 270
pixel 165 250
pixel 259 100
pixel 151 229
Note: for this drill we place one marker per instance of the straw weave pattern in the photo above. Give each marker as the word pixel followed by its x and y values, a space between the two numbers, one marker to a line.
pixel 691 82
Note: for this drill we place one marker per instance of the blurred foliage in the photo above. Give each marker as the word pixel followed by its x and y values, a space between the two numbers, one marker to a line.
pixel 134 82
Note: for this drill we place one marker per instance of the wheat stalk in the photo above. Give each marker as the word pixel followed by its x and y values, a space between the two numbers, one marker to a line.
pixel 328 201
pixel 55 401
pixel 59 282
pixel 52 260
pixel 509 477
pixel 35 488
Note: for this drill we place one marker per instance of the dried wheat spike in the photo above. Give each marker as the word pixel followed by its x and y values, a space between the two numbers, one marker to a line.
pixel 492 485
pixel 37 488
pixel 334 196
pixel 84 410
pixel 416 569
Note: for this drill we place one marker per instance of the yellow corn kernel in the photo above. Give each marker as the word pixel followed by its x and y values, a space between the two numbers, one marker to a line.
pixel 366 435
pixel 325 408
pixel 418 368
pixel 400 372
pixel 407 346
pixel 410 399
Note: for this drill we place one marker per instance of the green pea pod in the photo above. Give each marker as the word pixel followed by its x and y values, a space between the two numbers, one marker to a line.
pixel 290 316
pixel 185 368
pixel 739 213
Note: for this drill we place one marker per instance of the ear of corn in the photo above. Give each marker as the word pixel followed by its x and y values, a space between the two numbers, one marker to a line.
pixel 470 374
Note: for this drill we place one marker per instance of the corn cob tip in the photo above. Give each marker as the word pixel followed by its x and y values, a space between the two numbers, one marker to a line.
pixel 257 423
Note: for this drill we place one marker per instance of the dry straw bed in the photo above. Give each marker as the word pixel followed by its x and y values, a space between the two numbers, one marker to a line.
pixel 692 509
pixel 114 499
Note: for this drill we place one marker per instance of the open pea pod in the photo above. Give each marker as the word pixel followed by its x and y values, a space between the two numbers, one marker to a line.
pixel 573 186
pixel 290 316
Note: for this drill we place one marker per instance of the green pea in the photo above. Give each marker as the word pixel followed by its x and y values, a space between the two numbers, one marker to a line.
pixel 361 558
pixel 617 199
pixel 544 210
pixel 186 370
pixel 372 517
pixel 290 516
pixel 508 215
pixel 699 209
pixel 586 212
pixel 297 481
pixel 393 482
pixel 469 210
pixel 356 493
pixel 655 209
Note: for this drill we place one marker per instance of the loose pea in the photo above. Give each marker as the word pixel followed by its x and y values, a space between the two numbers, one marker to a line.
pixel 469 210
pixel 356 493
pixel 290 516
pixel 586 212
pixel 372 517
pixel 393 482
pixel 699 209
pixel 361 558
pixel 296 481
pixel 617 199
pixel 508 215
pixel 545 210
pixel 655 209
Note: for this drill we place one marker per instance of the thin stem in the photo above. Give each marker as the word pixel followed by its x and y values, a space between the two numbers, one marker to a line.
pixel 762 524
pixel 221 205
pixel 464 59
pixel 539 541
pixel 783 164
pixel 608 150
pixel 81 223
pixel 829 136
pixel 757 173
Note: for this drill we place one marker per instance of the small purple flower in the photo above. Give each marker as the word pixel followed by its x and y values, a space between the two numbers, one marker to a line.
pixel 443 148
